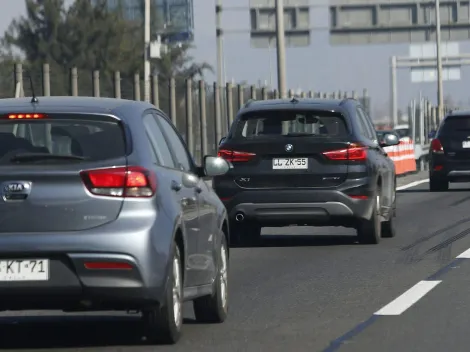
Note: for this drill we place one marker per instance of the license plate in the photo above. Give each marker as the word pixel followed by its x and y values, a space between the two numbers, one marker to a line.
pixel 466 144
pixel 290 163
pixel 24 270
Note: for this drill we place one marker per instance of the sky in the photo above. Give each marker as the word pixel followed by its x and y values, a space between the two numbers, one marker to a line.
pixel 319 67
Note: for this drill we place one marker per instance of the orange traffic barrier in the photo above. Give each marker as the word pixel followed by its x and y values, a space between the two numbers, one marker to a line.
pixel 403 156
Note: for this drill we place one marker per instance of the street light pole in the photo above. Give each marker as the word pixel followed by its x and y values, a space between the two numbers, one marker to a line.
pixel 440 89
pixel 220 43
pixel 147 51
pixel 280 49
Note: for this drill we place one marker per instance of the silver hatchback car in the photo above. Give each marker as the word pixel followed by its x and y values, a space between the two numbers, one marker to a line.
pixel 102 208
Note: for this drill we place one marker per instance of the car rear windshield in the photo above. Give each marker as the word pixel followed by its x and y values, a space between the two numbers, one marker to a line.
pixel 275 123
pixel 456 126
pixel 87 138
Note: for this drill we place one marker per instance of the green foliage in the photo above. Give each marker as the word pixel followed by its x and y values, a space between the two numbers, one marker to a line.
pixel 90 38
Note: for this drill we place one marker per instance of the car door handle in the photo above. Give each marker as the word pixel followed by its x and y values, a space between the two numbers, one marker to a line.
pixel 175 186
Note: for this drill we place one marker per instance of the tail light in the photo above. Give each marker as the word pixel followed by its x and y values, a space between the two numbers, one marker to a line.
pixel 354 152
pixel 235 156
pixel 436 146
pixel 131 181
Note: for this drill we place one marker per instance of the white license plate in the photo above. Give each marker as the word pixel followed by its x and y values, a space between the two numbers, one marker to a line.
pixel 290 163
pixel 24 270
pixel 466 144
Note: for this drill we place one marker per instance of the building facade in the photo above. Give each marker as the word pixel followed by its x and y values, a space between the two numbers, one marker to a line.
pixel 175 18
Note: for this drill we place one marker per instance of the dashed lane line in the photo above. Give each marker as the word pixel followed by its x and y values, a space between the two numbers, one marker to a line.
pixel 407 299
pixel 402 303
pixel 412 184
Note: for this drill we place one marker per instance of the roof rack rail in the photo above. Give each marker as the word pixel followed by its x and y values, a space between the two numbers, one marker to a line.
pixel 248 102
pixel 344 100
pixel 294 99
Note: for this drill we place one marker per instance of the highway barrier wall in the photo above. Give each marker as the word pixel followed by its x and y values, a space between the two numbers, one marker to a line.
pixel 201 111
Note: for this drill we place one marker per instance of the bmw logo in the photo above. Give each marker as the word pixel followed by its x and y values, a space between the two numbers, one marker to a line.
pixel 289 147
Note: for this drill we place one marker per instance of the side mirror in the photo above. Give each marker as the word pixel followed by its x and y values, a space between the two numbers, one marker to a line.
pixel 389 140
pixel 215 166
pixel 432 134
pixel 222 140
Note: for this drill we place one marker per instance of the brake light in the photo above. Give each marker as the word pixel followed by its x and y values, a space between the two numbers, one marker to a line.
pixel 25 116
pixel 235 156
pixel 131 181
pixel 436 146
pixel 354 152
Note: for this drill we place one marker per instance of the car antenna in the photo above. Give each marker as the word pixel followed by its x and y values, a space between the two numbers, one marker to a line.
pixel 294 100
pixel 34 99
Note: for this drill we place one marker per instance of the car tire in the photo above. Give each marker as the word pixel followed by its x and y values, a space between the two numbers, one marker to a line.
pixel 248 233
pixel 369 230
pixel 214 308
pixel 388 227
pixel 438 184
pixel 163 324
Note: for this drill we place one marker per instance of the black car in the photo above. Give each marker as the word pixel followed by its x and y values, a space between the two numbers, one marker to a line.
pixel 307 162
pixel 449 159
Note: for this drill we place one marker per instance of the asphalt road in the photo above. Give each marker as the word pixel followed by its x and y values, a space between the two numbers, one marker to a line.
pixel 310 289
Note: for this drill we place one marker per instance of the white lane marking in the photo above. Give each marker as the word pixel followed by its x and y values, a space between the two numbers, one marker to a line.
pixel 407 299
pixel 412 184
pixel 464 255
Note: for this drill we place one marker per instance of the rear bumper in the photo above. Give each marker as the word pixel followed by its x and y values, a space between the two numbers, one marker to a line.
pixel 302 207
pixel 73 286
pixel 451 170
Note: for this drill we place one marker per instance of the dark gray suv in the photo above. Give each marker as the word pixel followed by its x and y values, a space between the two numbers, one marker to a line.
pixel 313 162
pixel 103 208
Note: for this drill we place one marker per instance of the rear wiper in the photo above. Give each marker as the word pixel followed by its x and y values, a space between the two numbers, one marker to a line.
pixel 25 157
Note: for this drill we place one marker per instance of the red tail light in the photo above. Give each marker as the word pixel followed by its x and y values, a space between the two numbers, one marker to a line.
pixel 131 181
pixel 436 146
pixel 354 152
pixel 235 156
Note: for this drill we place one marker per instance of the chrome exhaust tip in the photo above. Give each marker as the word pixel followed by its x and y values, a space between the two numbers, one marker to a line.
pixel 240 217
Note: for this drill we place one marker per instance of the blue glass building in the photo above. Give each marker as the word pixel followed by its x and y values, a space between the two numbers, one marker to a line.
pixel 175 14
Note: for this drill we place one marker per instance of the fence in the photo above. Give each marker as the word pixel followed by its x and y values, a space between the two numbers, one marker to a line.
pixel 200 111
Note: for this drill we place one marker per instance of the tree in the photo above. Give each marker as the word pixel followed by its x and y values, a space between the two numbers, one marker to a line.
pixel 7 86
pixel 39 35
pixel 89 37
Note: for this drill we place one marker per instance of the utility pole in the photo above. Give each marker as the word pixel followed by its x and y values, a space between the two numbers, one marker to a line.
pixel 220 59
pixel 440 89
pixel 147 51
pixel 220 43
pixel 393 90
pixel 280 49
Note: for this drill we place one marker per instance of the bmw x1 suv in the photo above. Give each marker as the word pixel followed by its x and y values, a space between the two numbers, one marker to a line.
pixel 307 162
pixel 102 208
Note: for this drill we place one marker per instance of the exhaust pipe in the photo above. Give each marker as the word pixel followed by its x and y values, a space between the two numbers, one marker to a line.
pixel 239 217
